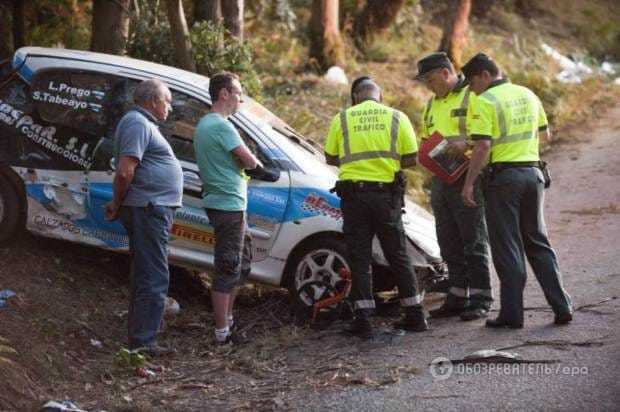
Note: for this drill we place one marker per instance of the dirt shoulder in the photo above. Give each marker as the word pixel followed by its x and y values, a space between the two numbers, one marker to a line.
pixel 59 335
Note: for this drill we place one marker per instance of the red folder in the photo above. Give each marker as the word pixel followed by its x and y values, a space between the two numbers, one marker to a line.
pixel 433 156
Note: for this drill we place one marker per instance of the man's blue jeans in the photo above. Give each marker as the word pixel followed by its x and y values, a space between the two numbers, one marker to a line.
pixel 148 229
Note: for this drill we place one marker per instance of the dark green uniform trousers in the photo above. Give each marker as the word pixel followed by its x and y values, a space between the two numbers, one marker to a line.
pixel 370 213
pixel 514 210
pixel 463 240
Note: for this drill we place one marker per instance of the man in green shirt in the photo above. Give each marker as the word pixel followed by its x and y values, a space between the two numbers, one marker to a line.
pixel 222 157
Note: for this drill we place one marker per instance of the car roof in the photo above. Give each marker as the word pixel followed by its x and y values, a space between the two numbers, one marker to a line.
pixel 140 67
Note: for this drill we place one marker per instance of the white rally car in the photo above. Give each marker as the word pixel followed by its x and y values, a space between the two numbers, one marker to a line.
pixel 58 112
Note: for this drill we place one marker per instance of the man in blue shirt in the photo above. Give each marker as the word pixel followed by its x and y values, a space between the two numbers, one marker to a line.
pixel 222 157
pixel 148 186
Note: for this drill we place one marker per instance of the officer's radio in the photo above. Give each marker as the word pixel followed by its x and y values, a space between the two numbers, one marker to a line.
pixel 435 157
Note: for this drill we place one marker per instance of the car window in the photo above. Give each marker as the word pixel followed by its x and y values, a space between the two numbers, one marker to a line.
pixel 72 98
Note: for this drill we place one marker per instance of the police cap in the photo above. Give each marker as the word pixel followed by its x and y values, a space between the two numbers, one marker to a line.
pixel 431 62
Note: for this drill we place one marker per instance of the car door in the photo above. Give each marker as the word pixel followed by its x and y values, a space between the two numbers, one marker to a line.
pixel 59 137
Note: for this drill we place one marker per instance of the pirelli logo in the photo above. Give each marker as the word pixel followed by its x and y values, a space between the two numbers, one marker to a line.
pixel 193 234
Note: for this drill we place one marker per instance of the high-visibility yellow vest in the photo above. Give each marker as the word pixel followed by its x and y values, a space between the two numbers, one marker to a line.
pixel 511 116
pixel 369 140
pixel 447 115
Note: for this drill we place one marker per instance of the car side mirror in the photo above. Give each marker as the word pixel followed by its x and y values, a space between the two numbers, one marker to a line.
pixel 266 173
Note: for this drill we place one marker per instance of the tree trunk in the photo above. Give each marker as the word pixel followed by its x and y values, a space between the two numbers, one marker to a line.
pixel 326 46
pixel 6 27
pixel 454 36
pixel 207 10
pixel 19 26
pixel 376 16
pixel 110 26
pixel 180 35
pixel 232 10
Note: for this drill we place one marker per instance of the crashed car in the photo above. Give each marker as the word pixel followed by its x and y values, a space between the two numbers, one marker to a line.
pixel 58 112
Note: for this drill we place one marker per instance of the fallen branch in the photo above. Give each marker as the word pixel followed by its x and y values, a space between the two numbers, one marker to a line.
pixel 558 344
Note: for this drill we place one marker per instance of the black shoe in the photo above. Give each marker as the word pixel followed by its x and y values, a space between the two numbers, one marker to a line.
pixel 155 351
pixel 563 318
pixel 474 313
pixel 500 323
pixel 447 310
pixel 412 322
pixel 361 328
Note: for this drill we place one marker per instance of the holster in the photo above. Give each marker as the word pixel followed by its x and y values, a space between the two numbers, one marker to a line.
pixel 399 188
pixel 546 173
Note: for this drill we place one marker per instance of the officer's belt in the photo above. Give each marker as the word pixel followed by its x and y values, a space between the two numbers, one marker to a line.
pixel 363 186
pixel 498 166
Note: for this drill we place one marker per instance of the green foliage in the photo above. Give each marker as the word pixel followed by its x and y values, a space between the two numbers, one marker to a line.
pixel 150 38
pixel 216 50
pixel 61 23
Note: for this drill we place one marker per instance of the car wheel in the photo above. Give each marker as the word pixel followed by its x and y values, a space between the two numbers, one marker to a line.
pixel 9 209
pixel 318 262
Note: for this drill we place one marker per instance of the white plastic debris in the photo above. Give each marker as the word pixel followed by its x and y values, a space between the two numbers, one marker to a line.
pixel 336 75
pixel 608 68
pixel 617 81
pixel 96 343
pixel 572 71
pixel 172 307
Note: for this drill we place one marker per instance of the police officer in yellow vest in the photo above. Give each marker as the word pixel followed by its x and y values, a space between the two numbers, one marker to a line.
pixel 506 121
pixel 370 142
pixel 461 230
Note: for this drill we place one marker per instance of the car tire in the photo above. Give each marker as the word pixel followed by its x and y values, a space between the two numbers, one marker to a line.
pixel 10 210
pixel 319 260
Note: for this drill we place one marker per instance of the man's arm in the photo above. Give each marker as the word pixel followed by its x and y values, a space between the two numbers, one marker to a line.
pixel 246 159
pixel 479 159
pixel 122 181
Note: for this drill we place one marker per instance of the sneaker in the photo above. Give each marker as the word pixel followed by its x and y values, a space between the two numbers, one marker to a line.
pixel 155 351
pixel 361 328
pixel 412 322
pixel 474 313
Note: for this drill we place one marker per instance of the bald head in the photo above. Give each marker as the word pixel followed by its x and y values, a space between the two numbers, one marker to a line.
pixel 366 89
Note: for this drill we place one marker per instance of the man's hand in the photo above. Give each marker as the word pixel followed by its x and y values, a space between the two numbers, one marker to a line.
pixel 111 211
pixel 456 147
pixel 468 195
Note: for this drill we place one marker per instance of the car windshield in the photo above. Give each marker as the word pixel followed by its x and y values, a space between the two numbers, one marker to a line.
pixel 304 152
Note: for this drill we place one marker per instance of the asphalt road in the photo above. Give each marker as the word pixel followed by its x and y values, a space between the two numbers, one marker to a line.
pixel 583 218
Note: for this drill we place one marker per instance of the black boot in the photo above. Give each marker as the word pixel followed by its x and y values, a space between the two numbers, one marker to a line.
pixel 477 309
pixel 453 306
pixel 360 327
pixel 413 321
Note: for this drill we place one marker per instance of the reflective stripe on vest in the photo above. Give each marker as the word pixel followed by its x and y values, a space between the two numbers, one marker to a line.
pixel 352 157
pixel 462 119
pixel 504 137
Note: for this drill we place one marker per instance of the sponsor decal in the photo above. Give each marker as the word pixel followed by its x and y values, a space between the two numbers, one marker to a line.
pixel 267 197
pixel 314 203
pixel 65 95
pixel 45 135
pixel 69 227
pixel 191 217
pixel 192 234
